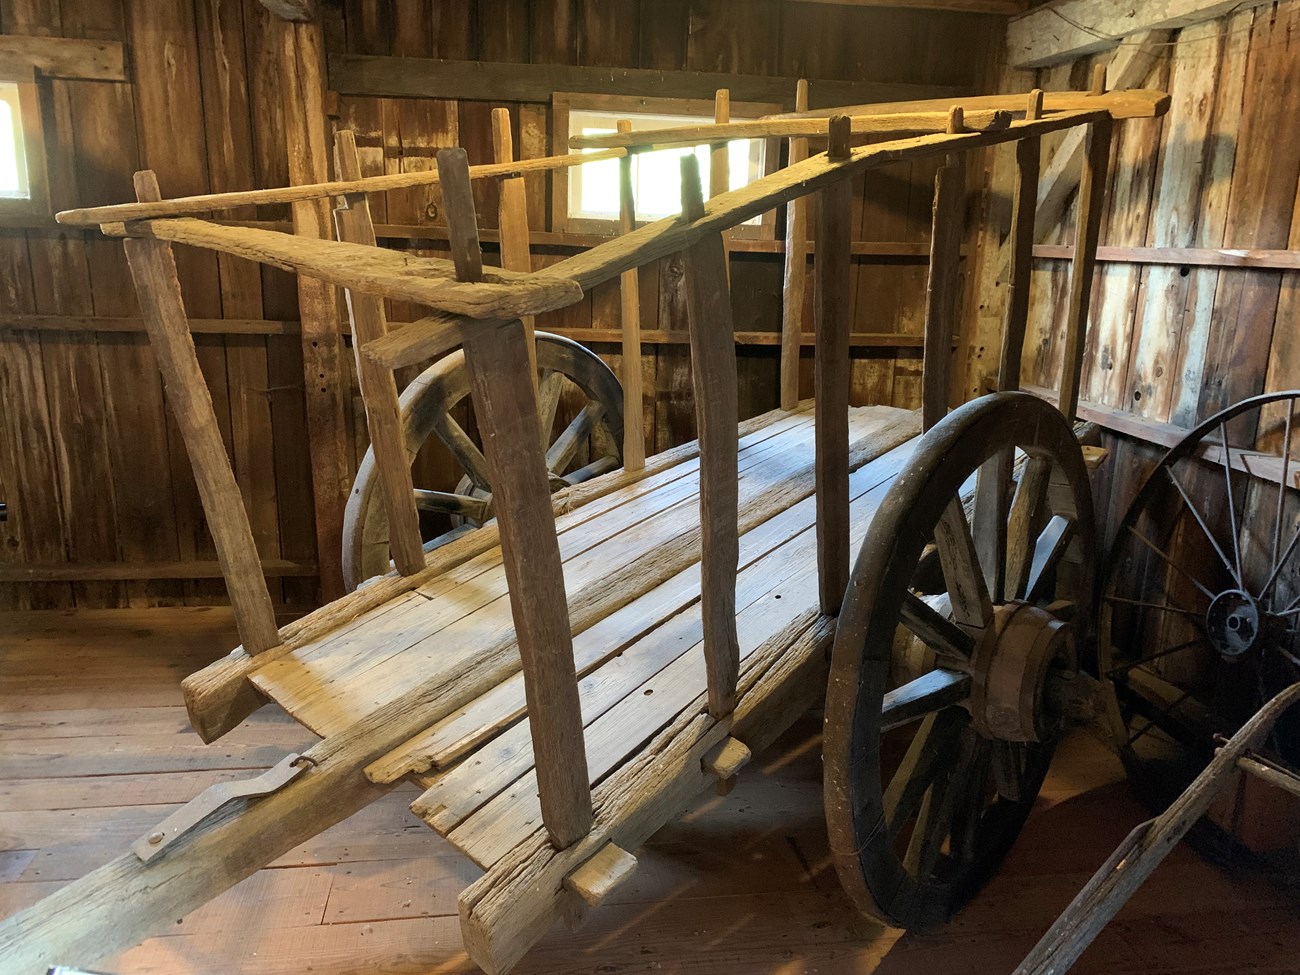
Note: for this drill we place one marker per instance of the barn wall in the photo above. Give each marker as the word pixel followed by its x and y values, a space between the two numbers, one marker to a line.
pixel 1173 343
pixel 91 464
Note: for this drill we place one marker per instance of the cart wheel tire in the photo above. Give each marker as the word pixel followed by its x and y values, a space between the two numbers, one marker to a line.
pixel 426 407
pixel 974 698
pixel 1200 608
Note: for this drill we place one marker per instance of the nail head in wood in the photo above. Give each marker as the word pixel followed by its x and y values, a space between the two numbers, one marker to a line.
pixel 596 879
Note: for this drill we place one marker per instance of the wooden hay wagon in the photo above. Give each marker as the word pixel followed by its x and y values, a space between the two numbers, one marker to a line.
pixel 565 679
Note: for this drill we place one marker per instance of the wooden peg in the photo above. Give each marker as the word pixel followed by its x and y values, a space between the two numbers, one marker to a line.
pixel 462 223
pixel 725 761
pixel 692 193
pixel 837 136
pixel 1098 80
pixel 1034 110
pixel 956 120
pixel 596 879
pixel 719 166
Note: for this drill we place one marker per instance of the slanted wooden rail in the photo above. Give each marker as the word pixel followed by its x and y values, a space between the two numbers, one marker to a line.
pixel 484 309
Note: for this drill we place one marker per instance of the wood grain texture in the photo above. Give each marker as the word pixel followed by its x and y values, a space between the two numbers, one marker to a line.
pixel 629 290
pixel 796 270
pixel 154 270
pixel 943 289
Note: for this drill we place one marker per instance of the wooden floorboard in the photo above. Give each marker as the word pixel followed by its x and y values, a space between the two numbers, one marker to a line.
pixel 741 884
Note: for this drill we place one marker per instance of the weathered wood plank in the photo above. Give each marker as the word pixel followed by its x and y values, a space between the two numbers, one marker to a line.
pixel 629 285
pixel 796 270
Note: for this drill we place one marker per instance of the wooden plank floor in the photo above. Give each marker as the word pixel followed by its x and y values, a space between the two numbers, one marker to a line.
pixel 95 749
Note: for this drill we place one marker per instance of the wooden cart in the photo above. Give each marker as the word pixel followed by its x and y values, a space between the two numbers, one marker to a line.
pixel 564 680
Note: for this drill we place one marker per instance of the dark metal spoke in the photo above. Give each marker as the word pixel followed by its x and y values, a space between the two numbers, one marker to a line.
pixel 924 695
pixel 1232 503
pixel 1048 551
pixel 1170 562
pixel 934 629
pixel 1281 487
pixel 1168 651
pixel 1165 607
pixel 1205 529
pixel 1277 568
pixel 1162 713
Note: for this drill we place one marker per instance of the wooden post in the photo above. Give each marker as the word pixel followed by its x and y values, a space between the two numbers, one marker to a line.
pixel 832 297
pixel 302 88
pixel 713 375
pixel 943 283
pixel 1092 198
pixel 719 163
pixel 153 268
pixel 512 219
pixel 378 388
pixel 629 287
pixel 1023 209
pixel 796 270
pixel 506 407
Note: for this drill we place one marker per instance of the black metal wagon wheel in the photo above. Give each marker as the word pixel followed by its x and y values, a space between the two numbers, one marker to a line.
pixel 1200 606
pixel 955 658
pixel 427 408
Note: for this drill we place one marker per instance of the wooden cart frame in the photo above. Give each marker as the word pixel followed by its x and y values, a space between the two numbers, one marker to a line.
pixel 580 851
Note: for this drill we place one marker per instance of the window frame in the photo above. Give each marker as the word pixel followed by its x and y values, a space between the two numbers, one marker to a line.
pixel 36 205
pixel 562 103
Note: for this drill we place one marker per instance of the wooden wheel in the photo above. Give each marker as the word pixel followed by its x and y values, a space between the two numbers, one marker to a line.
pixel 427 407
pixel 955 658
pixel 1200 612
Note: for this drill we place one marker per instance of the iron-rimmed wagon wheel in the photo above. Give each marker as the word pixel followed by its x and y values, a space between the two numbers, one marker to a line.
pixel 946 696
pixel 427 406
pixel 1200 609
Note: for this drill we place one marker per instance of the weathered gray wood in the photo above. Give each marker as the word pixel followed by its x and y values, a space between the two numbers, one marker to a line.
pixel 943 289
pixel 713 376
pixel 378 387
pixel 796 270
pixel 1092 199
pixel 833 299
pixel 153 268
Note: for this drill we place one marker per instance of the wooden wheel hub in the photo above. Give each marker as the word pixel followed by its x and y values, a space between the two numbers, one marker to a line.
pixel 1011 667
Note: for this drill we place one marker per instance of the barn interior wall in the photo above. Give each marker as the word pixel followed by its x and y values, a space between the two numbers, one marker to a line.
pixel 91 463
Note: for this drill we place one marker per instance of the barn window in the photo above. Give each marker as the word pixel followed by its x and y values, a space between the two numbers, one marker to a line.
pixel 586 198
pixel 22 147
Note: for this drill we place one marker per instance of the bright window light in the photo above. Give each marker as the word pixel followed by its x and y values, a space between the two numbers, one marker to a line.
pixel 14 184
pixel 656 176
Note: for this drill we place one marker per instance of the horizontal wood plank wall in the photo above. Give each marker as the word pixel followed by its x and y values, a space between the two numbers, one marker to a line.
pixel 91 463
pixel 1168 342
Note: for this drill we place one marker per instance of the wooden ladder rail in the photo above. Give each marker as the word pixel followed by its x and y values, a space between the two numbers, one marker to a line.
pixel 153 269
pixel 354 224
pixel 505 402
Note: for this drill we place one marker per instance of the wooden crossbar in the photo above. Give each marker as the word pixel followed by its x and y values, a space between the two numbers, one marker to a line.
pixel 1120 104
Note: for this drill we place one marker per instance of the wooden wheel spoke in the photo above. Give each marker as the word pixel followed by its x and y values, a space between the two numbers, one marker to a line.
pixel 1008 769
pixel 971 803
pixel 468 455
pixel 448 503
pixel 548 400
pixel 923 696
pixel 992 504
pixel 934 629
pixel 927 756
pixel 1205 529
pixel 567 443
pixel 597 467
pixel 1048 551
pixel 971 606
pixel 1025 521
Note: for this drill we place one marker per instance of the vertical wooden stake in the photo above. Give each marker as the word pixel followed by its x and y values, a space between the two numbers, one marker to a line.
pixel 378 388
pixel 153 268
pixel 832 297
pixel 1098 80
pixel 713 374
pixel 302 89
pixel 1023 209
pixel 1092 197
pixel 512 221
pixel 796 271
pixel 943 283
pixel 506 407
pixel 629 287
pixel 719 161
